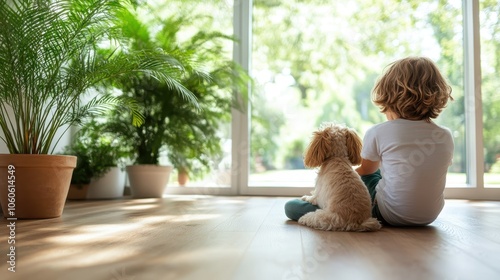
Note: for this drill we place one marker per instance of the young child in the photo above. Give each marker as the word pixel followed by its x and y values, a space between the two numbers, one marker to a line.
pixel 406 158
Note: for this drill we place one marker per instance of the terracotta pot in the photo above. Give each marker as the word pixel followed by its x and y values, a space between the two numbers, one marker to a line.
pixel 78 191
pixel 110 185
pixel 148 181
pixel 182 178
pixel 41 184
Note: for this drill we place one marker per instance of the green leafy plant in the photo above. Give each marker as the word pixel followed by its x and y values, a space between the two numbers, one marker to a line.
pixel 190 134
pixel 49 60
pixel 97 151
pixel 82 174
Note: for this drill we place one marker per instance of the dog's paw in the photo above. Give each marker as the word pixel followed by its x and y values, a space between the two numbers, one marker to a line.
pixel 306 220
pixel 309 198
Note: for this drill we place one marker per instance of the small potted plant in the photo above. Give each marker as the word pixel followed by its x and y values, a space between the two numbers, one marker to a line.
pixel 82 174
pixel 49 61
pixel 99 165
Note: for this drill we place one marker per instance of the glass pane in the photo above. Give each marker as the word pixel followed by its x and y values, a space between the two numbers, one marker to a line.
pixel 315 61
pixel 208 152
pixel 490 67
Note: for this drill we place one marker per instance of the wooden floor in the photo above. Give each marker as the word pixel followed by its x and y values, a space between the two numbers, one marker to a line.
pixel 204 237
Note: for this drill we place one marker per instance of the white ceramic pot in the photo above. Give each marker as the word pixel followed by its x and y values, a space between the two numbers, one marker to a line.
pixel 110 185
pixel 148 181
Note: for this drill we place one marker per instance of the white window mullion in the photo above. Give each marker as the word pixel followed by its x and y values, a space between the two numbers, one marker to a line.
pixel 473 104
pixel 242 22
pixel 473 110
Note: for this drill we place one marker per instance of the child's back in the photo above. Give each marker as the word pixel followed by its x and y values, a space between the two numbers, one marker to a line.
pixel 414 157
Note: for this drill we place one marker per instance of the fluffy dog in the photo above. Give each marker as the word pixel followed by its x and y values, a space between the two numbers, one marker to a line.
pixel 343 198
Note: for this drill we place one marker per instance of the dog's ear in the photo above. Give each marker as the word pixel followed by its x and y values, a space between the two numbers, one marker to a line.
pixel 354 145
pixel 318 149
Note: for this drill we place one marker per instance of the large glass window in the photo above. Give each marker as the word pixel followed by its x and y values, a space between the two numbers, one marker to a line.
pixel 316 61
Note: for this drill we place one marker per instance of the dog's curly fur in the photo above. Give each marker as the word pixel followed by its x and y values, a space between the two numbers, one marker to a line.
pixel 344 201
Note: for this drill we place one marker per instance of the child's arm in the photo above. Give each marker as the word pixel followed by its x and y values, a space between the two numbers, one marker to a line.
pixel 367 167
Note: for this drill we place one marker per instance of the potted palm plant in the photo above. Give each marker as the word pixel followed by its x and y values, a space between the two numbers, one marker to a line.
pixel 49 61
pixel 187 133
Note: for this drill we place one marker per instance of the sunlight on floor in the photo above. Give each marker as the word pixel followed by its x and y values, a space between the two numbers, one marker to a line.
pixel 70 257
pixel 138 207
pixel 94 233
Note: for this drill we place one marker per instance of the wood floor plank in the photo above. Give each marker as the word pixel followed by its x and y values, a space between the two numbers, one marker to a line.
pixel 274 249
pixel 245 238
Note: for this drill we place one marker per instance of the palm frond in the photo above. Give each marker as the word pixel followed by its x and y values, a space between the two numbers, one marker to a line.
pixel 101 104
pixel 50 58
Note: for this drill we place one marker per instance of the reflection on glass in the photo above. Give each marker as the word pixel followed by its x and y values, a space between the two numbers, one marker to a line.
pixel 317 61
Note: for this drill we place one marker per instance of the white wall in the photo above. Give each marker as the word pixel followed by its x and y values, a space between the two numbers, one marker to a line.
pixel 65 140
pixel 3 147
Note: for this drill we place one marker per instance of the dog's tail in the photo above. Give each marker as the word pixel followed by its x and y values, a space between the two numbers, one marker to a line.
pixel 324 220
pixel 371 224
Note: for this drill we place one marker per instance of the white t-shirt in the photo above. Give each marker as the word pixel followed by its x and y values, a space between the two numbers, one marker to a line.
pixel 414 157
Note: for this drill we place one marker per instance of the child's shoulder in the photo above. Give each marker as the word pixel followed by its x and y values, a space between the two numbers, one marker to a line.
pixel 408 126
pixel 386 125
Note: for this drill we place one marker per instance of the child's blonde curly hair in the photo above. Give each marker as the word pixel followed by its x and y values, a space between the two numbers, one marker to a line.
pixel 413 89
